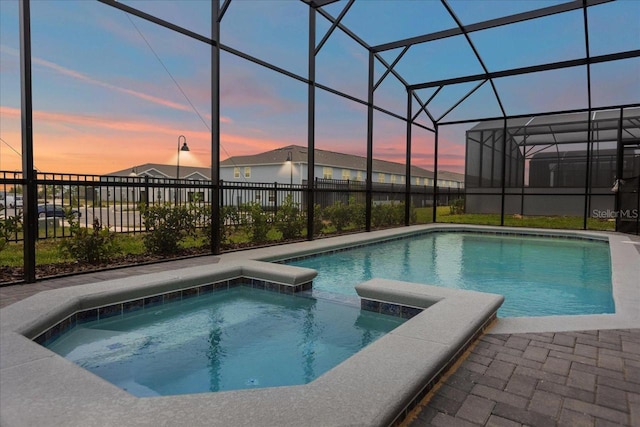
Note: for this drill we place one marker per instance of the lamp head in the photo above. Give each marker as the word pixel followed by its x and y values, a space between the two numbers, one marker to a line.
pixel 184 147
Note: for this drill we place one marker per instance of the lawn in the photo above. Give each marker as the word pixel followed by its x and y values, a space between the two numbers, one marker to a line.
pixel 444 215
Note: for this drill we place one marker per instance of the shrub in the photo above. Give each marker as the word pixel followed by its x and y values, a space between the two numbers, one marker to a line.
pixel 229 222
pixel 89 245
pixel 166 227
pixel 9 226
pixel 388 214
pixel 397 214
pixel 379 216
pixel 318 225
pixel 256 223
pixel 413 214
pixel 338 214
pixel 456 207
pixel 358 213
pixel 289 219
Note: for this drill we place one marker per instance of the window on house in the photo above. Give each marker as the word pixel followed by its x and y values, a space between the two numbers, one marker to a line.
pixel 236 172
pixel 247 172
pixel 394 179
pixel 380 177
pixel 402 178
pixel 417 180
pixel 327 173
pixel 346 174
pixel 359 176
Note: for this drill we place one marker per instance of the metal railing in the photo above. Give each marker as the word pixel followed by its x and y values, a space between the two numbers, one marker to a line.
pixel 116 202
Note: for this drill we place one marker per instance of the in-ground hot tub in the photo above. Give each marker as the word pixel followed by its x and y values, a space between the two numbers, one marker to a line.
pixel 228 339
pixel 373 387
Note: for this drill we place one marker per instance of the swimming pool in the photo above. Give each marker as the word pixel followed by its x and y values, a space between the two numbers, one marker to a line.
pixel 233 339
pixel 539 276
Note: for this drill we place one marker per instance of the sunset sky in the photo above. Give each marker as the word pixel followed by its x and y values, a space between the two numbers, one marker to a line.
pixel 112 91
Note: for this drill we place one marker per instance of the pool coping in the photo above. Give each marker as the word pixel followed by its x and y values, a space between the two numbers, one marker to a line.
pixel 41 388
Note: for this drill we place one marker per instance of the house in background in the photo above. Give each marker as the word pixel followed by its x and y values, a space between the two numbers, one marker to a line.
pixel 120 186
pixel 345 174
pixel 286 165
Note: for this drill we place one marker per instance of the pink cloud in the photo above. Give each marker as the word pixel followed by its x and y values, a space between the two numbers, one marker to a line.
pixel 241 89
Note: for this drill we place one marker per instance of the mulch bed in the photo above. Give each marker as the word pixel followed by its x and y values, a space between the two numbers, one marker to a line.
pixel 10 275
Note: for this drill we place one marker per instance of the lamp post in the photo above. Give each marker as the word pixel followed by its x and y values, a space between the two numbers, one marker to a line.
pixel 290 161
pixel 183 148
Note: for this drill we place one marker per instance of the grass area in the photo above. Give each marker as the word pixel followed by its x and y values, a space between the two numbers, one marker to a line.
pixel 444 215
pixel 48 252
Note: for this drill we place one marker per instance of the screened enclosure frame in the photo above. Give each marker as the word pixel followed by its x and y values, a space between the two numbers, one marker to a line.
pixel 315 44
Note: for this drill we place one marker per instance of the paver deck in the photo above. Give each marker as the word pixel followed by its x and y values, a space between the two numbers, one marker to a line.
pixel 586 378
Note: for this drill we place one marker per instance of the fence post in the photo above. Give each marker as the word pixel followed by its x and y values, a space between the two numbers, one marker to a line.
pixel 275 203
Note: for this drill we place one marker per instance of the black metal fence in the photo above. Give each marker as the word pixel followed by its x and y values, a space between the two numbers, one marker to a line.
pixel 116 202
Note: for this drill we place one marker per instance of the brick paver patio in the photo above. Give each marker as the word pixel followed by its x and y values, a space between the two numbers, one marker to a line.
pixel 586 378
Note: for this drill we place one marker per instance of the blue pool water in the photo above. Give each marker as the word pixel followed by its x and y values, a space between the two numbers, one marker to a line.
pixel 538 276
pixel 233 339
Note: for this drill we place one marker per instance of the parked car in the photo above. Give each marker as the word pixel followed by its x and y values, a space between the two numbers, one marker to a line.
pixel 55 211
pixel 7 201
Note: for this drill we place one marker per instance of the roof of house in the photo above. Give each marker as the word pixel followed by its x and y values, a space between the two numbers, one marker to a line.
pixel 332 159
pixel 157 170
pixel 279 156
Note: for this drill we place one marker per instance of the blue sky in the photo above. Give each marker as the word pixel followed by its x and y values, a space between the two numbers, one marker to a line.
pixel 112 91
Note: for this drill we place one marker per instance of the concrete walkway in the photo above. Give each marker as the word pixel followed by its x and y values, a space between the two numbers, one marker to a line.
pixel 587 378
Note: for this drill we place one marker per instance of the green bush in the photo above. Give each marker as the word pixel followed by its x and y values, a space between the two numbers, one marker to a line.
pixel 318 225
pixel 94 246
pixel 289 219
pixel 229 222
pixel 9 226
pixel 167 227
pixel 358 213
pixel 338 214
pixel 389 214
pixel 413 215
pixel 456 207
pixel 378 216
pixel 256 223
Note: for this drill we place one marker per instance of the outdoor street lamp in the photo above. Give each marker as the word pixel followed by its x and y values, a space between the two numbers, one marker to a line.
pixel 290 161
pixel 183 148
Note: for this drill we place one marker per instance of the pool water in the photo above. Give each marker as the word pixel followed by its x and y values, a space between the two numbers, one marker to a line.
pixel 538 276
pixel 232 339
